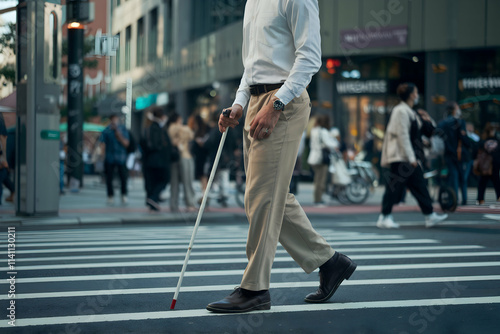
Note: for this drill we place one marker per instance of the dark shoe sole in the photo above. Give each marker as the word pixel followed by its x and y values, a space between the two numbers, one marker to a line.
pixel 345 275
pixel 264 306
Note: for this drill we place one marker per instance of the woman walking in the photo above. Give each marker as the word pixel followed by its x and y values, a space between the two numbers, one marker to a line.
pixel 487 163
pixel 403 153
pixel 182 170
pixel 200 149
pixel 322 143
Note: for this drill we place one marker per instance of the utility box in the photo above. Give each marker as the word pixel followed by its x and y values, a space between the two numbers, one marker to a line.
pixel 39 48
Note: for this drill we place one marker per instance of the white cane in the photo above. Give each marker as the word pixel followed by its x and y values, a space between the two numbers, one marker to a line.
pixel 200 212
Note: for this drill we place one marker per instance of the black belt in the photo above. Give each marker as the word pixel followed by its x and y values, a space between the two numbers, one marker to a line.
pixel 264 88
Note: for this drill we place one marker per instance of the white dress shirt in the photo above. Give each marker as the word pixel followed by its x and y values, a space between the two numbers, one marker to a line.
pixel 281 43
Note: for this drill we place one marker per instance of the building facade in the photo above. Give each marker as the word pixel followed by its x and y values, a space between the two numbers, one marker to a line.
pixel 187 53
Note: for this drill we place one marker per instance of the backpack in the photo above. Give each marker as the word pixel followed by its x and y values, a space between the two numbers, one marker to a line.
pixel 483 164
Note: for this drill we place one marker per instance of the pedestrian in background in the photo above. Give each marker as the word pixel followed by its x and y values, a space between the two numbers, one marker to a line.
pixel 403 153
pixel 182 171
pixel 281 52
pixel 115 138
pixel 227 157
pixel 487 163
pixel 322 144
pixel 11 161
pixel 199 148
pixel 456 152
pixel 62 161
pixel 156 150
pixel 4 166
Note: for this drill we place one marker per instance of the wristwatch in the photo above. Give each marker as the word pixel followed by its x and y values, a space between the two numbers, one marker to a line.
pixel 278 105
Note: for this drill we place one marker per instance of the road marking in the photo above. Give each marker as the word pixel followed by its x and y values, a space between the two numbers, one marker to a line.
pixel 238 272
pixel 409 223
pixel 79 319
pixel 157 240
pixel 242 241
pixel 166 234
pixel 235 260
pixel 206 288
pixel 211 246
pixel 242 253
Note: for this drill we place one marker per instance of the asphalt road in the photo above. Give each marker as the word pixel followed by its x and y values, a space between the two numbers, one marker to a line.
pixel 121 279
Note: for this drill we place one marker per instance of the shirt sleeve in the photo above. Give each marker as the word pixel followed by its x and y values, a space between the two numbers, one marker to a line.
pixel 243 93
pixel 303 21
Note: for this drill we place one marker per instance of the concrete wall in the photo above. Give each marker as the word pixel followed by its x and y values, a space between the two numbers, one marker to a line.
pixel 433 25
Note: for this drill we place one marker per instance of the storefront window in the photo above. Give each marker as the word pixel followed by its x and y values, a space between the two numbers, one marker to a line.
pixel 479 87
pixel 366 88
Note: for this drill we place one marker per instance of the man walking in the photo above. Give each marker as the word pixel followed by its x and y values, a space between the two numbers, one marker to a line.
pixel 281 52
pixel 456 153
pixel 116 139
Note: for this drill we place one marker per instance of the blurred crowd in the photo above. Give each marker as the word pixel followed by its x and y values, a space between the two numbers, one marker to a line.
pixel 172 154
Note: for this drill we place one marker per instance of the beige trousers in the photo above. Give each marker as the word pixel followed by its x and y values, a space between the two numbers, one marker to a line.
pixel 273 213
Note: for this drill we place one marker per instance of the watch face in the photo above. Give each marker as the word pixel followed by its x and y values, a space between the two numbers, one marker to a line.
pixel 278 105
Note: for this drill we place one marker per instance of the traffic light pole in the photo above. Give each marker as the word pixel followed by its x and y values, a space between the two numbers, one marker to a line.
pixel 75 105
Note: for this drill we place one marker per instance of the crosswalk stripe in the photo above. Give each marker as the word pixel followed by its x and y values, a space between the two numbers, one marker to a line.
pixel 410 223
pixel 276 309
pixel 167 235
pixel 235 260
pixel 225 253
pixel 239 272
pixel 215 246
pixel 420 280
pixel 157 240
pixel 242 241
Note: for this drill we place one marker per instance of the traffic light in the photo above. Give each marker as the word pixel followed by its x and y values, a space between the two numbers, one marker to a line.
pixel 332 65
pixel 78 11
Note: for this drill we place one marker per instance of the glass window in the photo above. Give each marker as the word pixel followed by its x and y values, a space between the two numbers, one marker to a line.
pixel 118 56
pixel 140 42
pixel 153 35
pixel 212 15
pixel 53 28
pixel 128 38
pixel 168 34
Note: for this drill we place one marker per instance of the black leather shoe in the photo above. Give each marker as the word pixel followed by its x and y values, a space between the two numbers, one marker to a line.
pixel 331 275
pixel 242 301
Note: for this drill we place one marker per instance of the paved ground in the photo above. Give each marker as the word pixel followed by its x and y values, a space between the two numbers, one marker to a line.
pixel 121 279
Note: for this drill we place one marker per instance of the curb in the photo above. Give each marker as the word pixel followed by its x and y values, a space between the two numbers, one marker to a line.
pixel 186 218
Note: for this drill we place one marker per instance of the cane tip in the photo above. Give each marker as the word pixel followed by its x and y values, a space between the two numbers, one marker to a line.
pixel 172 306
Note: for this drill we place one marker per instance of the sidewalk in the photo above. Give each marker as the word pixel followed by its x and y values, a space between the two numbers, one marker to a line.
pixel 89 207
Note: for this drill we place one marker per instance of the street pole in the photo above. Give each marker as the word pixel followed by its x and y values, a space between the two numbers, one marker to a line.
pixel 38 89
pixel 75 105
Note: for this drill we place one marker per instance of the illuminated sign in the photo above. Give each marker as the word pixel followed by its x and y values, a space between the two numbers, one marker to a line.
pixel 362 87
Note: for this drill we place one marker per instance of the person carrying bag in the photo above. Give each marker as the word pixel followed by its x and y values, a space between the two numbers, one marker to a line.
pixel 322 144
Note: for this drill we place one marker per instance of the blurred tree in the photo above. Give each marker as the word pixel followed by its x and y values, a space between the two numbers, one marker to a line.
pixel 8 48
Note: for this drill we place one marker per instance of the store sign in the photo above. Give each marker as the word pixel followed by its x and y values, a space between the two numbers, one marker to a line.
pixel 491 83
pixel 362 87
pixel 374 37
